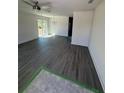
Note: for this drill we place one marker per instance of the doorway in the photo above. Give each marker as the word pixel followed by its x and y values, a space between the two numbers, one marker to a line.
pixel 70 26
pixel 42 27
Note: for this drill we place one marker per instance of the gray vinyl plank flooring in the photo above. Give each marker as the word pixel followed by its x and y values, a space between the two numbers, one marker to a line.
pixel 56 53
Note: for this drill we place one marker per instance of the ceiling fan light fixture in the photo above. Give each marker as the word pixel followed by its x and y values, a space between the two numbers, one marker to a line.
pixel 38 8
pixel 34 7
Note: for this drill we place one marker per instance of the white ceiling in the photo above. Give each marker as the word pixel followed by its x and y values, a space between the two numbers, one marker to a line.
pixel 62 7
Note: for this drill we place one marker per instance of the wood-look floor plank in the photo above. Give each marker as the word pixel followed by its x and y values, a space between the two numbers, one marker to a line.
pixel 58 54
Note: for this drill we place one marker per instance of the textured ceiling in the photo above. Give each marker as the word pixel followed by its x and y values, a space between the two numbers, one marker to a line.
pixel 62 7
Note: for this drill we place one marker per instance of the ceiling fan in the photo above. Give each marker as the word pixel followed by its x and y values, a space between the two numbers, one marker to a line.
pixel 46 6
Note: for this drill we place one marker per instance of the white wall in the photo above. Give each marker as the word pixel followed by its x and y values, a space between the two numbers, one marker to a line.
pixel 27 27
pixel 97 42
pixel 59 25
pixel 81 27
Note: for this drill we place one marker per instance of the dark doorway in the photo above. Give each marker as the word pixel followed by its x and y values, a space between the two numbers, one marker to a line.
pixel 70 25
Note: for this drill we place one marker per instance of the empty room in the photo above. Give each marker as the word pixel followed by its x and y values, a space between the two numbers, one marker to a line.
pixel 61 46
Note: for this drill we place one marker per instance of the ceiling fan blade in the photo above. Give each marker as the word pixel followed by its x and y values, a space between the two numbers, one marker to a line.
pixel 34 1
pixel 28 3
pixel 38 8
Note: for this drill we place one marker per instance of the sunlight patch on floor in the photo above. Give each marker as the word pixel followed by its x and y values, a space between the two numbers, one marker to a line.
pixel 47 36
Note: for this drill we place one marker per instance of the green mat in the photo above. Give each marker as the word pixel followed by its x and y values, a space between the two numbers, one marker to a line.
pixel 48 81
